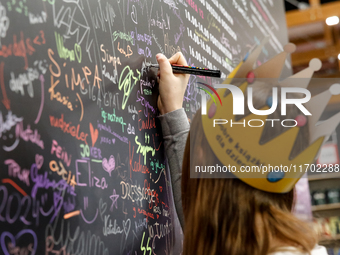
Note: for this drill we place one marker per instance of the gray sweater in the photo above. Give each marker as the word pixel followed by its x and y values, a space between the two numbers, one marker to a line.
pixel 175 127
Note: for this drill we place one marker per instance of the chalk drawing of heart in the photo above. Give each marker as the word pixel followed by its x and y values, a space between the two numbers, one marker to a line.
pixel 126 226
pixel 13 239
pixel 39 160
pixel 134 14
pixel 109 165
pixel 94 134
pixel 77 50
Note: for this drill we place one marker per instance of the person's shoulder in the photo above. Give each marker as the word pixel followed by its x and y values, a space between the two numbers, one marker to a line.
pixel 318 250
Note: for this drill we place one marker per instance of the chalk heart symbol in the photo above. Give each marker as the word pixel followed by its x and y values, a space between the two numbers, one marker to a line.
pixel 39 160
pixel 134 14
pixel 26 232
pixel 109 165
pixel 94 134
pixel 126 226
pixel 77 51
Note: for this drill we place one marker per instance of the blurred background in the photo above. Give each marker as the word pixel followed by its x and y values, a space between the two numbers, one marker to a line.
pixel 313 25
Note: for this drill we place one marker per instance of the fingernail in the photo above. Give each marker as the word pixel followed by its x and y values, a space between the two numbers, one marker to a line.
pixel 159 55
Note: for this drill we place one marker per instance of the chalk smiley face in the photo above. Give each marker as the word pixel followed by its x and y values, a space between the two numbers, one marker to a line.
pixel 9 140
pixel 8 129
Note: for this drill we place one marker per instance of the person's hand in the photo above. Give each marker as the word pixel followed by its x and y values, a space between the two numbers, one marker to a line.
pixel 171 86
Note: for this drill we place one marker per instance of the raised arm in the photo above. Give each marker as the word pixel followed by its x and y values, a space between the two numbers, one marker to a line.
pixel 175 125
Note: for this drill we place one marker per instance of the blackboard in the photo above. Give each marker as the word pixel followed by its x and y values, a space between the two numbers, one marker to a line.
pixel 82 161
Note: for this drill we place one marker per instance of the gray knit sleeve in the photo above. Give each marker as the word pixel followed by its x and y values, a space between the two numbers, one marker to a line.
pixel 175 127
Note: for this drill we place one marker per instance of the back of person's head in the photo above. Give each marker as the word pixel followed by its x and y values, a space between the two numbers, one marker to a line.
pixel 228 216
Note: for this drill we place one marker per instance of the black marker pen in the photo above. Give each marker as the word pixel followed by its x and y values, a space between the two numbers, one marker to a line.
pixel 192 70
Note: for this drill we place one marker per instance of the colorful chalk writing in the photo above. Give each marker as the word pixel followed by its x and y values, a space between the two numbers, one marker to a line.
pixel 83 167
pixel 66 53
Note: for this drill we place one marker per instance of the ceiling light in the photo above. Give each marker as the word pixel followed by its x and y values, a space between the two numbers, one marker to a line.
pixel 331 21
pixel 339 56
